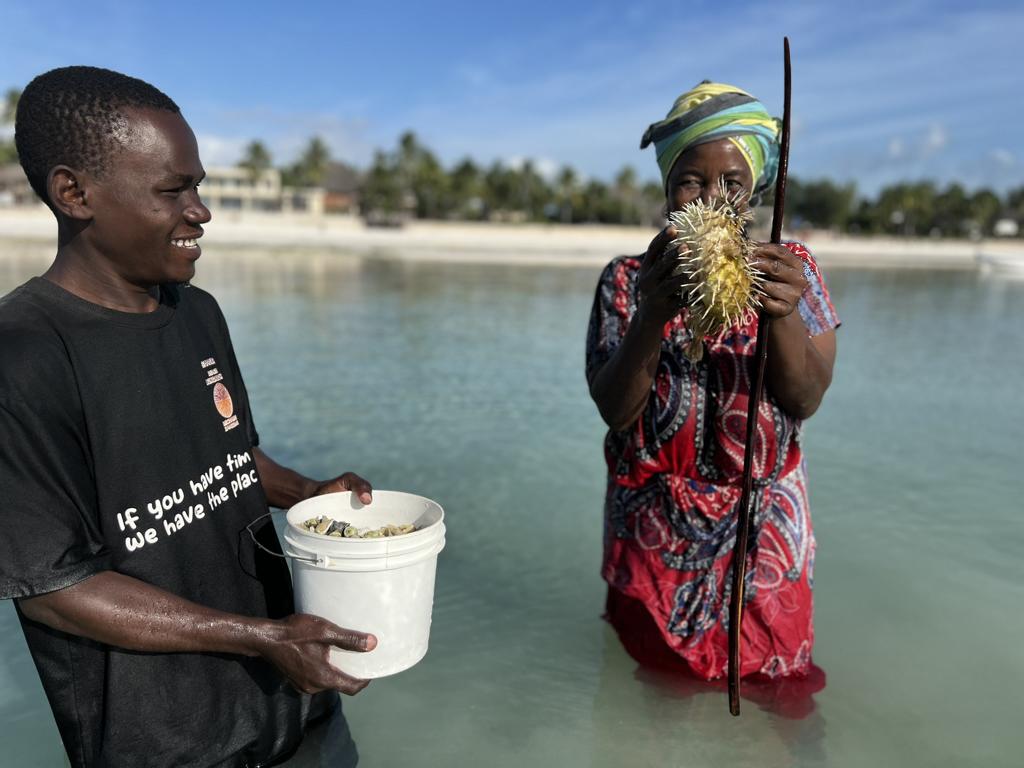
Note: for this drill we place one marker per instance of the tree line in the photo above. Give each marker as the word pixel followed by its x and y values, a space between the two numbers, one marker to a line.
pixel 410 182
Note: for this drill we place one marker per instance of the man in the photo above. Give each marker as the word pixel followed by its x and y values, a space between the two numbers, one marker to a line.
pixel 129 466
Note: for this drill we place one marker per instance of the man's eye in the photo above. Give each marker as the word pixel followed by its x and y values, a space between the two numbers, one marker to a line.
pixel 178 190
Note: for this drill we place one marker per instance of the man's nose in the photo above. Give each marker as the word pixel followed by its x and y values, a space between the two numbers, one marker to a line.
pixel 197 213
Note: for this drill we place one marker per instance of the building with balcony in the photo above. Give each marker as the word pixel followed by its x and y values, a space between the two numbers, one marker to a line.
pixel 237 189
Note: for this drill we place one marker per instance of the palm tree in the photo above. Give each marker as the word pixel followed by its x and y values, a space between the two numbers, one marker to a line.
pixel 627 195
pixel 311 168
pixel 568 192
pixel 10 108
pixel 256 160
pixel 466 190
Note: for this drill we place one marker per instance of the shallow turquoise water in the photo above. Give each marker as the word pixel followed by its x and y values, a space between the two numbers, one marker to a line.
pixel 465 384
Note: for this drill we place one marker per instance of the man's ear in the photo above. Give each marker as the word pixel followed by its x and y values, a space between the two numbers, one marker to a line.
pixel 69 192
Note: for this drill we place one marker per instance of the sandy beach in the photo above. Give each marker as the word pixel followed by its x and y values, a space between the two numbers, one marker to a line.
pixel 511 244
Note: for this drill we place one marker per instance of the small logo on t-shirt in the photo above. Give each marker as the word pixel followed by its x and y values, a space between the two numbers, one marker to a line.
pixel 221 397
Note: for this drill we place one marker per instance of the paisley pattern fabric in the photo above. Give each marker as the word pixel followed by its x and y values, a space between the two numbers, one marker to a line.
pixel 674 485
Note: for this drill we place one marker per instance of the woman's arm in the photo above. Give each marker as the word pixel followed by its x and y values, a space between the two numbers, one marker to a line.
pixel 799 366
pixel 622 386
pixel 121 611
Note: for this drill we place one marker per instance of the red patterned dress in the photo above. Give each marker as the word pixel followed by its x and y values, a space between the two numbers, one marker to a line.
pixel 674 482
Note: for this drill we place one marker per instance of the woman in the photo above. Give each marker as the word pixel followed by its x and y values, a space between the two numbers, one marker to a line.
pixel 677 428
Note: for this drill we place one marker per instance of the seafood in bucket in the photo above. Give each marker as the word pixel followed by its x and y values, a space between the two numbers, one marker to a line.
pixel 339 529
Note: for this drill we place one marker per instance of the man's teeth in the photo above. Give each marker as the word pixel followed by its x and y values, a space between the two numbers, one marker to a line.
pixel 185 243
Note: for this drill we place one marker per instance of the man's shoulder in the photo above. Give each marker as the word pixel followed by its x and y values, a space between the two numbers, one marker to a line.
pixel 192 298
pixel 21 304
pixel 32 352
pixel 25 326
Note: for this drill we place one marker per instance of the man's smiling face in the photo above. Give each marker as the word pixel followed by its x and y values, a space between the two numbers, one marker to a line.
pixel 147 215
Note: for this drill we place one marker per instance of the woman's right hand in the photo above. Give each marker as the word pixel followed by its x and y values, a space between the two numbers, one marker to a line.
pixel 659 292
pixel 299 646
pixel 622 386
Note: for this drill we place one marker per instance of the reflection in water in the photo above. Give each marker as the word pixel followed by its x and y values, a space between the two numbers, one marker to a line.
pixel 790 698
pixel 651 717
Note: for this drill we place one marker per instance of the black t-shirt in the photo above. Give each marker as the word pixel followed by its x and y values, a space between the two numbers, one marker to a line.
pixel 126 444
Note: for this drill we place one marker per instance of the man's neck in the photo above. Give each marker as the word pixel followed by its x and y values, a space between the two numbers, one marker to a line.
pixel 83 271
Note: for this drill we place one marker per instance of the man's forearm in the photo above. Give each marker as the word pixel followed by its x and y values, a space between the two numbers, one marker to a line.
pixel 122 611
pixel 284 487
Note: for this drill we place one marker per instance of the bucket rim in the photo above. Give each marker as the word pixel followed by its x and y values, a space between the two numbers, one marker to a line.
pixel 422 533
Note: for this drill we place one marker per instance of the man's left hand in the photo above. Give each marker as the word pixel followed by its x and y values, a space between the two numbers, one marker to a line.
pixel 349 481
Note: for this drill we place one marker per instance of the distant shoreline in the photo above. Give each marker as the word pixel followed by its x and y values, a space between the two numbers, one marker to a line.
pixel 581 245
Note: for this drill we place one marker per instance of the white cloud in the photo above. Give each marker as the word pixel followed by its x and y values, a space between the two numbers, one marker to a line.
pixel 546 167
pixel 220 150
pixel 1004 157
pixel 896 149
pixel 285 134
pixel 936 138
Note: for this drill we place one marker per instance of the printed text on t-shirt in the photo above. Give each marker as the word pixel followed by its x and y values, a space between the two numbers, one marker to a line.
pixel 216 485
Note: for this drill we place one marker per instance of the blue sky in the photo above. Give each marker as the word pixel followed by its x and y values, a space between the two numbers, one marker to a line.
pixel 883 91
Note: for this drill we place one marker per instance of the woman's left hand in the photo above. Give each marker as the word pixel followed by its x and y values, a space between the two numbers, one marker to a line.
pixel 784 280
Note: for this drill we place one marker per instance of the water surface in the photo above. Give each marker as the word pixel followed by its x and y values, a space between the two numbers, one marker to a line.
pixel 465 384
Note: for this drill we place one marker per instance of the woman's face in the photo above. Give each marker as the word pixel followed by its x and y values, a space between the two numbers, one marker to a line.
pixel 698 172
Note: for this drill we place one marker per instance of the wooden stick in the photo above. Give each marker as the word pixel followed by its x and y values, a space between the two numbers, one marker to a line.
pixel 739 553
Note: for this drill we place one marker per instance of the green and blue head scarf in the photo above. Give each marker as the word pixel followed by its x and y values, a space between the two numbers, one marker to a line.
pixel 713 111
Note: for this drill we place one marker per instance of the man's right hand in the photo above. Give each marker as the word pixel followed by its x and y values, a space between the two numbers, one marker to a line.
pixel 658 290
pixel 123 612
pixel 299 646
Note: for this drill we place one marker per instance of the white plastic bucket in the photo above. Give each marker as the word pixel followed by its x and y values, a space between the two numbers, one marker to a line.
pixel 384 586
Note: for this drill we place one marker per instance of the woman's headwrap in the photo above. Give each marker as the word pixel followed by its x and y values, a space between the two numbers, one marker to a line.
pixel 713 111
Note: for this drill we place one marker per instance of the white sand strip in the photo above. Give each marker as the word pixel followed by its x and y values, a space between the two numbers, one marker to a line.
pixel 510 244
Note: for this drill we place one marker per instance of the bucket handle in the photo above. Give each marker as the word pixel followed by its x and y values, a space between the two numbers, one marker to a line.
pixel 314 560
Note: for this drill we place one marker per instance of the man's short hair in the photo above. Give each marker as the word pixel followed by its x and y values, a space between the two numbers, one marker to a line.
pixel 73 116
